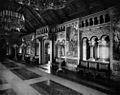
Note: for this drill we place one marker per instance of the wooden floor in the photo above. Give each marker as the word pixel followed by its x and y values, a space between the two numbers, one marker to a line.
pixel 18 79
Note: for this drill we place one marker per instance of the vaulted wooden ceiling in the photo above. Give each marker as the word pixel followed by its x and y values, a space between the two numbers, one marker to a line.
pixel 75 8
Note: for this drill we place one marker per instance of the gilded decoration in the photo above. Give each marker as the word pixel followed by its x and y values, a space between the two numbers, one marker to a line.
pixel 71 41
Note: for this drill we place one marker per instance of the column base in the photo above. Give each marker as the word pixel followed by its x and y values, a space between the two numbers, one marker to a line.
pixel 91 59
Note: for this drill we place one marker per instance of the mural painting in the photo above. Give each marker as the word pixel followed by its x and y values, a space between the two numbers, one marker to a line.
pixel 116 41
pixel 71 42
pixel 30 48
pixel 116 37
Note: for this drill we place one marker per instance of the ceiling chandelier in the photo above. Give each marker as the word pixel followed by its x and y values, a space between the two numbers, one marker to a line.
pixel 10 20
pixel 44 4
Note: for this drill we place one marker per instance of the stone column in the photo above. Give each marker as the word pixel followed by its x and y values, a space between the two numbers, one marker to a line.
pixel 40 50
pixel 91 44
pixel 84 50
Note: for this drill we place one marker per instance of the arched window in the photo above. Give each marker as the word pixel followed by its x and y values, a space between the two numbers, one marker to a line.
pixel 104 48
pixel 85 49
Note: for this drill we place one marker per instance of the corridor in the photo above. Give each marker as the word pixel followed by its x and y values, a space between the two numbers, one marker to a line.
pixel 18 79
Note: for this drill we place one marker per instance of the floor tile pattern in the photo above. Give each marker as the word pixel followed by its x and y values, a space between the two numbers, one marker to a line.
pixel 25 74
pixel 9 64
pixel 52 88
pixel 30 80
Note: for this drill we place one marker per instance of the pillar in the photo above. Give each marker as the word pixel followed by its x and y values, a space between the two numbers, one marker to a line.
pixel 91 44
pixel 40 50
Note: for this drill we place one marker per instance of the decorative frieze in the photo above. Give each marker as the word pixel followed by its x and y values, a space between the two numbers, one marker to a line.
pixel 59 28
pixel 42 31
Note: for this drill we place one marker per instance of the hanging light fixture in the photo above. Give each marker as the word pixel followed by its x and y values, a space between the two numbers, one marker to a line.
pixel 44 4
pixel 11 20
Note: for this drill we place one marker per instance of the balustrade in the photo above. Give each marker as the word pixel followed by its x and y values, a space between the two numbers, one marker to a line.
pixel 95 20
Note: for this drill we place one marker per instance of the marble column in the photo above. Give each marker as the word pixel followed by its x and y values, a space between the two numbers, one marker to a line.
pixel 84 49
pixel 91 44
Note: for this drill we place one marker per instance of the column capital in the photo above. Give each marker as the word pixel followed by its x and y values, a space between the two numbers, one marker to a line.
pixel 102 43
pixel 91 43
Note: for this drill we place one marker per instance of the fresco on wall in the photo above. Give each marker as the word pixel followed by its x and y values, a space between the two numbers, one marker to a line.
pixel 116 37
pixel 71 42
pixel 115 19
pixel 60 44
pixel 30 48
pixel 116 45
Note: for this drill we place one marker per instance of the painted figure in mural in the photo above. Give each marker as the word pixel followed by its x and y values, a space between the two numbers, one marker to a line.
pixel 116 40
pixel 60 44
pixel 72 38
pixel 117 33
